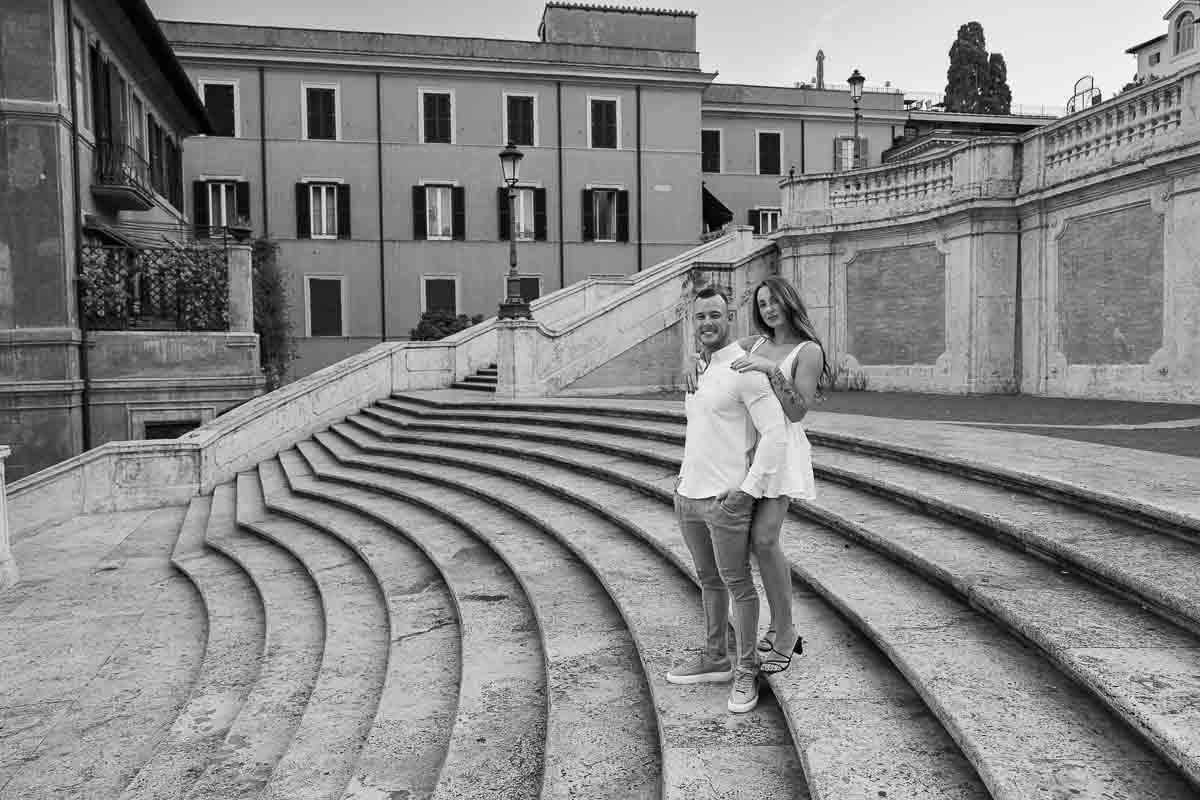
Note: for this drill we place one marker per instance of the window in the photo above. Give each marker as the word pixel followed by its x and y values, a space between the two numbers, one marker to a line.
pixel 437 116
pixel 320 112
pixel 531 287
pixel 1185 32
pixel 323 297
pixel 83 94
pixel 604 122
pixel 710 151
pixel 770 152
pixel 530 205
pixel 322 210
pixel 137 124
pixel 519 114
pixel 605 215
pixel 219 203
pixel 1155 58
pixel 221 103
pixel 439 212
pixel 764 220
pixel 846 156
pixel 439 293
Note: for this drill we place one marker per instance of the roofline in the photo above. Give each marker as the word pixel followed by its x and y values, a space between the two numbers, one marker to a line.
pixel 1133 50
pixel 658 12
pixel 151 34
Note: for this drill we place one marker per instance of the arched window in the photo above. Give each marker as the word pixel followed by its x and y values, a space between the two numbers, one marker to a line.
pixel 1185 32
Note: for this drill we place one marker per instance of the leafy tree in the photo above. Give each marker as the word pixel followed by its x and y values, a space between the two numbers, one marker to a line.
pixel 276 346
pixel 975 82
pixel 440 324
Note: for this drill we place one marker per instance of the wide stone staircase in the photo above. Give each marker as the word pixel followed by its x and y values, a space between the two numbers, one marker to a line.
pixel 446 597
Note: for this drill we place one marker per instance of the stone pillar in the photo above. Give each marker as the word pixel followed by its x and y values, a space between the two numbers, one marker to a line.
pixel 241 289
pixel 8 567
pixel 517 359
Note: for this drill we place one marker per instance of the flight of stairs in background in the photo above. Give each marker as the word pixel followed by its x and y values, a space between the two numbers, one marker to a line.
pixel 484 380
pixel 481 600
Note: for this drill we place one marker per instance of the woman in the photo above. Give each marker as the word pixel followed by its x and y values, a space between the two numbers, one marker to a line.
pixel 793 359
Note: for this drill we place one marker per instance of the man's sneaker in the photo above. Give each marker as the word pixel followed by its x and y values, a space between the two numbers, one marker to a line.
pixel 702 669
pixel 743 696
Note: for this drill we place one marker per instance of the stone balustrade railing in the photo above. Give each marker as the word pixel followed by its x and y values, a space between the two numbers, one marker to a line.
pixel 1124 130
pixel 8 567
pixel 975 169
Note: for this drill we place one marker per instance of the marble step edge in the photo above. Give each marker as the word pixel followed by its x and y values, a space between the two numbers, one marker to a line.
pixel 472 530
pixel 1102 572
pixel 205 569
pixel 1122 507
pixel 621 522
pixel 352 544
pixel 255 524
pixel 1105 574
pixel 1117 706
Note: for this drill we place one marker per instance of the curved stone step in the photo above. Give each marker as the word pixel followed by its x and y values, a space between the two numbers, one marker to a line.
pixel 99 656
pixel 232 651
pixel 294 640
pixel 907 756
pixel 601 741
pixel 409 735
pixel 960 655
pixel 321 756
pixel 495 748
pixel 1153 568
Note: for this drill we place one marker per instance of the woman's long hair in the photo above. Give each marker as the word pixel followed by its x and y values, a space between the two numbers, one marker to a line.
pixel 793 307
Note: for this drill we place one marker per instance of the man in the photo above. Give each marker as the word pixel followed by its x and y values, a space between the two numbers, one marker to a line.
pixel 714 497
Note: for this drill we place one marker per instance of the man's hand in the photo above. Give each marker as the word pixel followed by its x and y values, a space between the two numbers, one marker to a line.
pixel 736 501
pixel 691 372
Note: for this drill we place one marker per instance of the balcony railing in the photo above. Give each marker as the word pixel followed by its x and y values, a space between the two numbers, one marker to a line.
pixel 182 289
pixel 122 176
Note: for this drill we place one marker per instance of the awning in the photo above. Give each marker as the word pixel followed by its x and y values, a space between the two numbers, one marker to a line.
pixel 716 214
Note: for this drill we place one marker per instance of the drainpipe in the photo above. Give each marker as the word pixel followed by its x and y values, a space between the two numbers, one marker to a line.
pixel 1018 317
pixel 262 149
pixel 81 318
pixel 638 91
pixel 562 260
pixel 379 177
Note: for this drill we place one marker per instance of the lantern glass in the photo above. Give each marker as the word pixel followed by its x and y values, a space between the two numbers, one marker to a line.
pixel 856 81
pixel 510 163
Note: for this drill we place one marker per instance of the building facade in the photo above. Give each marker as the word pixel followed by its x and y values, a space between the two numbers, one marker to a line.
pixel 93 112
pixel 372 158
pixel 1174 50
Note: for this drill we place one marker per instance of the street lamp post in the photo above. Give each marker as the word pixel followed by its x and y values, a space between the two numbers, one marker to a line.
pixel 514 305
pixel 856 81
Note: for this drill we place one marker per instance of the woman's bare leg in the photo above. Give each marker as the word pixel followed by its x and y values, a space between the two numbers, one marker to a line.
pixel 769 513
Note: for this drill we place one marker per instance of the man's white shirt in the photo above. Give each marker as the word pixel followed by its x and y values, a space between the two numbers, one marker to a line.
pixel 727 415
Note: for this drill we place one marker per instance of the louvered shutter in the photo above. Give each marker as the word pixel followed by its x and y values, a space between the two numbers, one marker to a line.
pixel 505 223
pixel 458 203
pixel 588 225
pixel 539 215
pixel 622 216
pixel 419 226
pixel 303 214
pixel 343 211
pixel 200 208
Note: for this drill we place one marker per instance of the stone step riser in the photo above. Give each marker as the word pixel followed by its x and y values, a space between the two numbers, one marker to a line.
pixel 1168 749
pixel 554 583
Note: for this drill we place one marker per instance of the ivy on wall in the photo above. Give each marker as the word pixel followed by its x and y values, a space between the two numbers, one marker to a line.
pixel 152 288
pixel 276 345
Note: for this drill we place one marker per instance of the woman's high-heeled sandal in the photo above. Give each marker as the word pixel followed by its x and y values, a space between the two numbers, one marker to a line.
pixel 773 666
pixel 767 642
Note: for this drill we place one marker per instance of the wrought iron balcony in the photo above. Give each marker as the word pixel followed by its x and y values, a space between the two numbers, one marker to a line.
pixel 144 288
pixel 122 177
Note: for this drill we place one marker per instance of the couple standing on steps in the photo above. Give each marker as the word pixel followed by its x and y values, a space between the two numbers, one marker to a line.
pixel 745 454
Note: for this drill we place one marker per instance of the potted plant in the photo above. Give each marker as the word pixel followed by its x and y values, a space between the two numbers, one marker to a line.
pixel 241 229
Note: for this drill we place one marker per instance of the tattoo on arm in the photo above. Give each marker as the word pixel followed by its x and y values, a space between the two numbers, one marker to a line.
pixel 793 403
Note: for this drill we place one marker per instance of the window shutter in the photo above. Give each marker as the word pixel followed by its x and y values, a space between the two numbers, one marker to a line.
pixel 243 199
pixel 860 153
pixel 502 208
pixel 597 124
pixel 419 227
pixel 314 113
pixel 589 219
pixel 752 219
pixel 343 211
pixel 539 215
pixel 330 116
pixel 458 202
pixel 116 128
pixel 200 208
pixel 623 216
pixel 303 216
pixel 96 74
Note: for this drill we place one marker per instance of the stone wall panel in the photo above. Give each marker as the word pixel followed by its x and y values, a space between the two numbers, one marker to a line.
pixel 896 305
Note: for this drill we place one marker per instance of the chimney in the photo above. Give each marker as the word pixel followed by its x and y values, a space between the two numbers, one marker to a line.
pixel 820 69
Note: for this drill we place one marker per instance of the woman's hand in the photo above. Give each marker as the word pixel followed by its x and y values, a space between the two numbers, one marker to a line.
pixel 691 372
pixel 751 362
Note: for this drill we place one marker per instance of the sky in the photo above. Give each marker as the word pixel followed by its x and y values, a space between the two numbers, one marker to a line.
pixel 1048 45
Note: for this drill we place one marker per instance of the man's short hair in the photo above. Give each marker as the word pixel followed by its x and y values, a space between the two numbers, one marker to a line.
pixel 714 290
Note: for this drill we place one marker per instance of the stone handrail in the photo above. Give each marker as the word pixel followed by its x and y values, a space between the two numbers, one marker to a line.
pixel 150 473
pixel 1125 129
pixel 648 305
pixel 976 169
pixel 8 567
